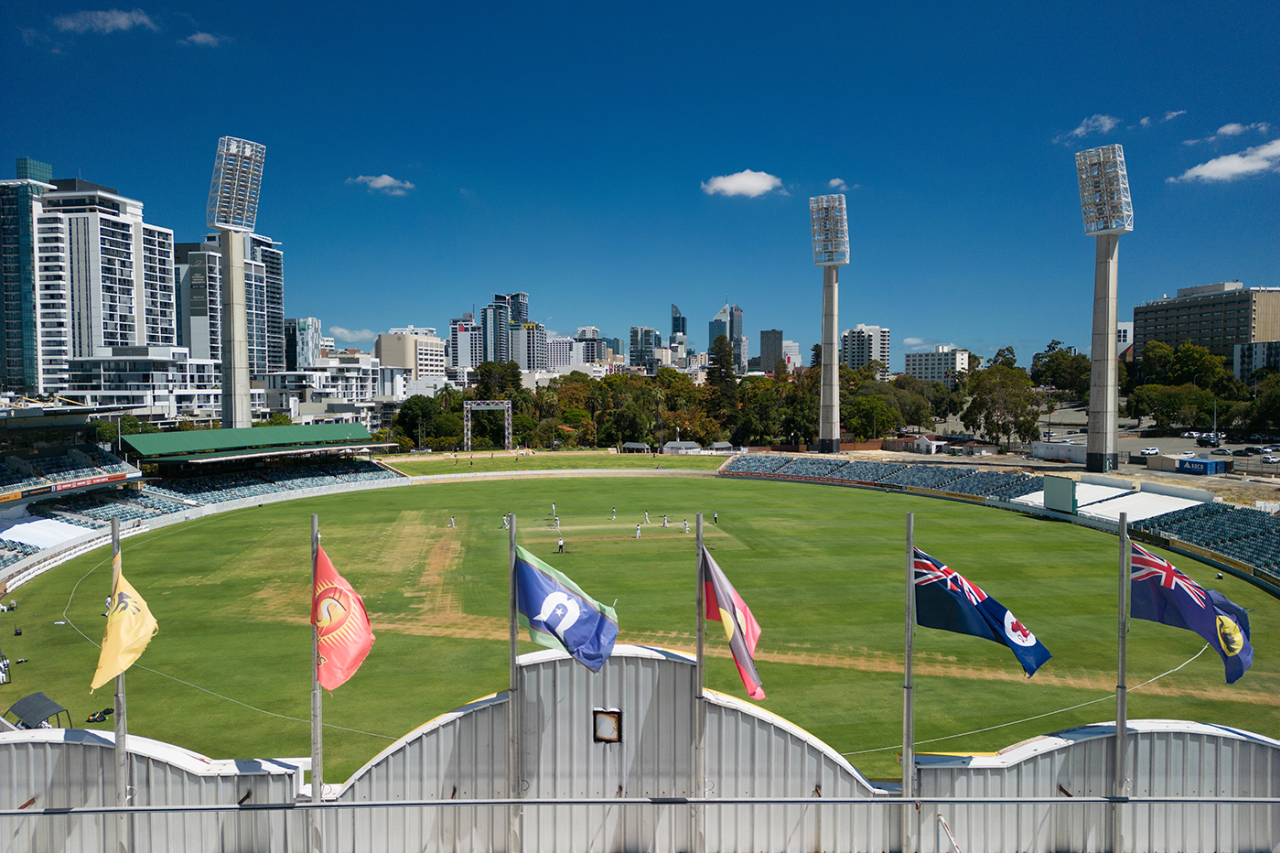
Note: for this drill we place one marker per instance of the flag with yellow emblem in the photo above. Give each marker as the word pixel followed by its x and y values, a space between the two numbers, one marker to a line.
pixel 343 633
pixel 130 626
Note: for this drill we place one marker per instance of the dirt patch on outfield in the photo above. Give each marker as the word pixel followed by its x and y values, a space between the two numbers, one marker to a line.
pixel 438 610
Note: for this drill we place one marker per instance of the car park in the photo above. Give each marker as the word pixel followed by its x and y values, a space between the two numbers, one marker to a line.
pixel 1150 451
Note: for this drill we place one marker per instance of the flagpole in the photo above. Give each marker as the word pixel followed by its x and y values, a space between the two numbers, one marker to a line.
pixel 121 715
pixel 1122 690
pixel 908 693
pixel 317 728
pixel 513 704
pixel 700 711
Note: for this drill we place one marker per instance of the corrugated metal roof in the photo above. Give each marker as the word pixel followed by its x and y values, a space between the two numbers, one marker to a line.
pixel 250 453
pixel 205 440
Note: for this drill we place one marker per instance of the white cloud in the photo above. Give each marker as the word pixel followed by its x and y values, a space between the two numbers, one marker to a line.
pixel 384 184
pixel 1172 114
pixel 352 336
pixel 1229 167
pixel 1145 121
pixel 921 344
pixel 1096 123
pixel 110 21
pixel 1231 129
pixel 746 182
pixel 206 39
pixel 837 184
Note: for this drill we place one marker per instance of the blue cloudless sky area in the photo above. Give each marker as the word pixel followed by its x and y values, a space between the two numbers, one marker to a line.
pixel 421 157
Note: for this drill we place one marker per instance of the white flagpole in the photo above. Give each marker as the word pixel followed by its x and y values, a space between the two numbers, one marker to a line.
pixel 1122 690
pixel 121 716
pixel 317 727
pixel 699 710
pixel 513 703
pixel 908 691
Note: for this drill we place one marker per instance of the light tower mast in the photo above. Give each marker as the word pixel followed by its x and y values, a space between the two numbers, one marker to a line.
pixel 830 251
pixel 233 210
pixel 1108 212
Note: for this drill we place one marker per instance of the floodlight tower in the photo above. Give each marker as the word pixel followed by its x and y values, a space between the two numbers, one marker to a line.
pixel 233 210
pixel 1108 212
pixel 830 251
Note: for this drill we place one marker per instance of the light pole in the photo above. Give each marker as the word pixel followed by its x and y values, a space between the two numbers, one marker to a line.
pixel 233 210
pixel 1108 213
pixel 830 225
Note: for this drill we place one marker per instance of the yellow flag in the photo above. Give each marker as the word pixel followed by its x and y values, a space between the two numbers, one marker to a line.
pixel 130 626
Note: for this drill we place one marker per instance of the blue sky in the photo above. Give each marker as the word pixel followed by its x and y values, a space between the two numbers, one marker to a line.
pixel 421 157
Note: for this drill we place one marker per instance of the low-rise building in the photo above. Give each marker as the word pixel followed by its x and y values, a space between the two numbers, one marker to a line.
pixel 943 365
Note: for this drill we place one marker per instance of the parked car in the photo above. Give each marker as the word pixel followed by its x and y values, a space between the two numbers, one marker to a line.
pixel 1220 451
pixel 1271 460
pixel 1191 435
pixel 1240 451
pixel 1253 451
pixel 1188 454
pixel 1206 441
pixel 1150 451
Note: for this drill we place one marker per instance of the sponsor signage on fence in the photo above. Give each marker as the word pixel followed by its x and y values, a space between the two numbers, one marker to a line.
pixel 1201 466
pixel 88 481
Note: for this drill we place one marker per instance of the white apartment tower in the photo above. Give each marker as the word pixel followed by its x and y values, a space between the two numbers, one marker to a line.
pixel 943 365
pixel 105 278
pixel 466 342
pixel 864 344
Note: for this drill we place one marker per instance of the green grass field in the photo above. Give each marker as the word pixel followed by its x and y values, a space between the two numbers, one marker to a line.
pixel 821 567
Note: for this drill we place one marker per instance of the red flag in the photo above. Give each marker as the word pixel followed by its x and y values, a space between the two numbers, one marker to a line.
pixel 342 626
pixel 724 605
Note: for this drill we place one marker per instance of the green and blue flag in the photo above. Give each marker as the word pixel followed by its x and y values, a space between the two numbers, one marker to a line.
pixel 559 615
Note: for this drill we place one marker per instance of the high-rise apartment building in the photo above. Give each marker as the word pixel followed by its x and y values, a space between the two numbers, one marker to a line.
pixel 18 328
pixel 263 294
pixel 791 352
pixel 466 342
pixel 1214 316
pixel 944 365
pixel 198 271
pixel 529 346
pixel 105 279
pixel 303 342
pixel 497 319
pixel 770 349
pixel 864 344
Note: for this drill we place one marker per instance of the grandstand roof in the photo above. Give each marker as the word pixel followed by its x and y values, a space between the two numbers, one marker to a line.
pixel 250 438
pixel 1137 505
pixel 250 453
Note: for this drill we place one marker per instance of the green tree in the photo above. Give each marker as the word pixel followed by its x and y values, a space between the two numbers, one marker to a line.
pixel 416 418
pixel 1002 404
pixel 1004 357
pixel 723 382
pixel 870 417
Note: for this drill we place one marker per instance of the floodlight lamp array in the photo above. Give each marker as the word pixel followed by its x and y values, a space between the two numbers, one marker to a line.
pixel 830 230
pixel 237 179
pixel 1104 190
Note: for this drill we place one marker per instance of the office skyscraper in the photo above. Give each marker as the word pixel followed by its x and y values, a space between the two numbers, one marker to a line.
pixel 728 322
pixel 770 349
pixel 466 342
pixel 643 341
pixel 497 319
pixel 198 271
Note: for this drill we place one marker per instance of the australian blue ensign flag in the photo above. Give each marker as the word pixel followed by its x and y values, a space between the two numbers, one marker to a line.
pixel 1160 593
pixel 559 615
pixel 948 602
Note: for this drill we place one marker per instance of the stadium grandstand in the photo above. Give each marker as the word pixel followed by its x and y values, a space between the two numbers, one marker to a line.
pixel 1240 539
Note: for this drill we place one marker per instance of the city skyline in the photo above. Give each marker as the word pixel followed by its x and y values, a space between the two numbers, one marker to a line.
pixel 611 162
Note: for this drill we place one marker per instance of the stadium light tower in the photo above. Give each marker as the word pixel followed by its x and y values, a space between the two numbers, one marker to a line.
pixel 1108 213
pixel 830 251
pixel 233 210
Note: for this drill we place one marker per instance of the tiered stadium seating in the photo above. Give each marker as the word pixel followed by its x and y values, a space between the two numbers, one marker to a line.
pixel 988 483
pixel 218 488
pixel 806 467
pixel 759 463
pixel 926 476
pixel 867 472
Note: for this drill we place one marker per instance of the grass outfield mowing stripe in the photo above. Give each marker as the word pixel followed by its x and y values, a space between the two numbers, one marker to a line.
pixel 821 568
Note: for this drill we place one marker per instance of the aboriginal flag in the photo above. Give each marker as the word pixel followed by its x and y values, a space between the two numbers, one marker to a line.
pixel 343 635
pixel 724 605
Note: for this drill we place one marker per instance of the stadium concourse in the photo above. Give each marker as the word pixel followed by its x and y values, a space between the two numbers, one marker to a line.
pixel 1241 540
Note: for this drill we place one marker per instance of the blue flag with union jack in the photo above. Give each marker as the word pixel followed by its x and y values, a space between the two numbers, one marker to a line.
pixel 1158 592
pixel 948 602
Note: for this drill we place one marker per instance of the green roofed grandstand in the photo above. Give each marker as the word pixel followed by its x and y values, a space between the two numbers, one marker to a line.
pixel 219 445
